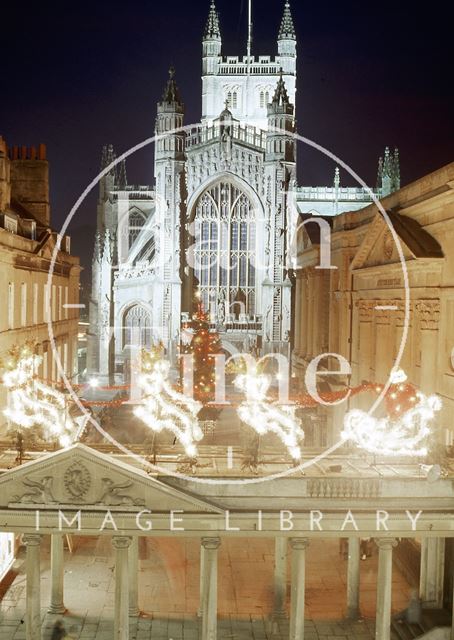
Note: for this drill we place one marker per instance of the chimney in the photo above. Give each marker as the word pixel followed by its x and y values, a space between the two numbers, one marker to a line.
pixel 5 186
pixel 30 181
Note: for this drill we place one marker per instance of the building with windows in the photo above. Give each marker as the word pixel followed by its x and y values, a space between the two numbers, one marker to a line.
pixel 357 308
pixel 220 217
pixel 27 243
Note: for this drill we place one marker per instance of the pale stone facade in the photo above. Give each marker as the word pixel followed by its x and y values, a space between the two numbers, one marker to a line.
pixel 26 247
pixel 220 216
pixel 357 310
pixel 82 490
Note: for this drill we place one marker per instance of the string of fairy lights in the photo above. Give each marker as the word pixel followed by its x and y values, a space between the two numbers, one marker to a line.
pixel 404 431
pixel 32 403
pixel 264 417
pixel 164 408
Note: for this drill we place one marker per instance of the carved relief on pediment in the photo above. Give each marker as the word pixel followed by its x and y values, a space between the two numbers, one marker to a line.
pixel 75 485
pixel 77 480
pixel 384 251
pixel 37 491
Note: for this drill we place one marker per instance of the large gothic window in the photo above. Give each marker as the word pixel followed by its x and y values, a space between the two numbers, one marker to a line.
pixel 137 327
pixel 136 222
pixel 225 250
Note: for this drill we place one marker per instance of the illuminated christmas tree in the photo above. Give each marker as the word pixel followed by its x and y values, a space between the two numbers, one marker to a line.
pixel 203 344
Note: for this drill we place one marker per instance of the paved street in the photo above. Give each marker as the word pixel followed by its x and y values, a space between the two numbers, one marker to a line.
pixel 169 584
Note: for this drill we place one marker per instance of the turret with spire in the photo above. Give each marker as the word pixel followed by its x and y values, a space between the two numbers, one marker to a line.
pixel 170 119
pixel 169 172
pixel 286 41
pixel 281 125
pixel 212 41
pixel 388 175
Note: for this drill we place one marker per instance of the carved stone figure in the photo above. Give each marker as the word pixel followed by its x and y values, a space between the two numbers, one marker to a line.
pixel 40 492
pixel 112 494
pixel 221 307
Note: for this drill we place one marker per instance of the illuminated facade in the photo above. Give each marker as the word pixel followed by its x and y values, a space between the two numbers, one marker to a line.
pixel 220 217
pixel 27 245
pixel 357 309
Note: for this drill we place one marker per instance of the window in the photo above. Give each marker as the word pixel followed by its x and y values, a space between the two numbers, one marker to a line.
pixel 10 224
pixel 66 302
pixel 232 98
pixel 35 303
pixel 224 249
pixel 60 302
pixel 136 223
pixel 264 98
pixel 65 359
pixel 53 303
pixel 137 327
pixel 11 305
pixel 45 365
pixel 23 304
pixel 46 303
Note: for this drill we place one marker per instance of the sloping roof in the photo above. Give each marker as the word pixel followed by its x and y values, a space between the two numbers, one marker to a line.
pixel 313 230
pixel 417 239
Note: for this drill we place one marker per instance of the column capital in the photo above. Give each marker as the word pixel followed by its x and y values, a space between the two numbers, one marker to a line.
pixel 121 542
pixel 386 543
pixel 211 543
pixel 299 543
pixel 31 539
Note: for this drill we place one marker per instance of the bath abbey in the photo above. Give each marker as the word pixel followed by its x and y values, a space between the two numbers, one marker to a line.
pixel 218 223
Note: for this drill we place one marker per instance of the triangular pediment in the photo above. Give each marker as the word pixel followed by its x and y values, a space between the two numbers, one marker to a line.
pixel 379 246
pixel 87 479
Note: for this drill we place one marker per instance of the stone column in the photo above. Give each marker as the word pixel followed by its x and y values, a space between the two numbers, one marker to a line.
pixel 432 572
pixel 280 576
pixel 210 602
pixel 56 574
pixel 365 339
pixel 203 581
pixel 383 345
pixel 384 587
pixel 353 578
pixel 452 615
pixel 299 546
pixel 298 307
pixel 428 313
pixel 302 326
pixel 310 313
pixel 33 583
pixel 317 311
pixel 121 606
pixel 398 330
pixel 134 577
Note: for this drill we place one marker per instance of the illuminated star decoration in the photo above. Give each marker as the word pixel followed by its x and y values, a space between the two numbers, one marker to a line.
pixel 32 403
pixel 263 416
pixel 164 408
pixel 404 433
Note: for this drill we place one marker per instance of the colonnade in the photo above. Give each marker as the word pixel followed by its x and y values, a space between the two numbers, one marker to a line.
pixel 126 582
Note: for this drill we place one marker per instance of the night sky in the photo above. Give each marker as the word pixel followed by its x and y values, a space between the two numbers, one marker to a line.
pixel 78 75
